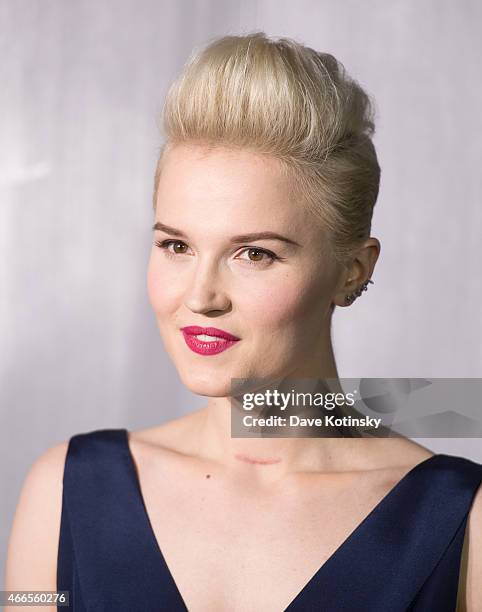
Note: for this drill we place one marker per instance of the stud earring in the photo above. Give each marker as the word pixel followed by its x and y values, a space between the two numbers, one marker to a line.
pixel 349 299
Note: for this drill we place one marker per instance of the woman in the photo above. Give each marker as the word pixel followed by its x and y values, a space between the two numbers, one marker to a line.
pixel 263 202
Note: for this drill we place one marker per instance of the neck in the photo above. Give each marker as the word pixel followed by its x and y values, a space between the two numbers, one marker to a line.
pixel 268 460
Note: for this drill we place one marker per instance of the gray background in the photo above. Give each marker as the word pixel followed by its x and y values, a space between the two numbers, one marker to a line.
pixel 81 88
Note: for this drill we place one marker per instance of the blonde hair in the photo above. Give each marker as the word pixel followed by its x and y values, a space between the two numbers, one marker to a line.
pixel 283 99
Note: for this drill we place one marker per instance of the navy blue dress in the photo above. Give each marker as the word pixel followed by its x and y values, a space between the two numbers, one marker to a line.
pixel 405 555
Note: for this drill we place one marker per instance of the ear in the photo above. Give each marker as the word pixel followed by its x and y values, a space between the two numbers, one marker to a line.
pixel 358 270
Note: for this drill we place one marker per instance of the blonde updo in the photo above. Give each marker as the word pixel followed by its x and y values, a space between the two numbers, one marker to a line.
pixel 280 98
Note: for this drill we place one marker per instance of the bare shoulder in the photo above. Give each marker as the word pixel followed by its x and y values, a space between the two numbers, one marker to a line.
pixel 470 586
pixel 34 536
pixel 409 453
pixel 397 456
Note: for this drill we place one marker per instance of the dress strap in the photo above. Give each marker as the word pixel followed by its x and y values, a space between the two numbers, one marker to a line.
pixel 406 555
pixel 104 539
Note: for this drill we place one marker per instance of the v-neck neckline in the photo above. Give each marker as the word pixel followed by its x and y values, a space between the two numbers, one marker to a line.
pixel 319 572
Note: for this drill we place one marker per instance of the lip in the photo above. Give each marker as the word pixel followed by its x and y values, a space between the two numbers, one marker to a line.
pixel 224 339
pixel 195 330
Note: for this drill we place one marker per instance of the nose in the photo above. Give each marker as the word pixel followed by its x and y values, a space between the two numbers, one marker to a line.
pixel 206 292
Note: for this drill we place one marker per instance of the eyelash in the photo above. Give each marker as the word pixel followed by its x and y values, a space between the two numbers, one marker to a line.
pixel 166 243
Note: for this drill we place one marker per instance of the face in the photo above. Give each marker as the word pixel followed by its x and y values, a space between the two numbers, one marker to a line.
pixel 273 294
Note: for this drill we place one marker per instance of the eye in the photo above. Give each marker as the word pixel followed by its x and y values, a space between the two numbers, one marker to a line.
pixel 259 256
pixel 256 255
pixel 178 247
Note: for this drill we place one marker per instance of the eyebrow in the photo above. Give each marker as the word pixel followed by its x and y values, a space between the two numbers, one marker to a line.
pixel 234 239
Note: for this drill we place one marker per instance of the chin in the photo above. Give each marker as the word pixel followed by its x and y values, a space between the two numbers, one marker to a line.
pixel 206 384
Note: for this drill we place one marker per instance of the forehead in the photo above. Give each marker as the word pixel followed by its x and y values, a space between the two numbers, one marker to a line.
pixel 234 184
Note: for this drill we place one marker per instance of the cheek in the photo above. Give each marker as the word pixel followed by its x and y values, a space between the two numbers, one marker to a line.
pixel 286 304
pixel 161 289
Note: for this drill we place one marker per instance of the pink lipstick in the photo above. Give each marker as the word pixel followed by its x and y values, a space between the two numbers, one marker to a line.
pixel 207 340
